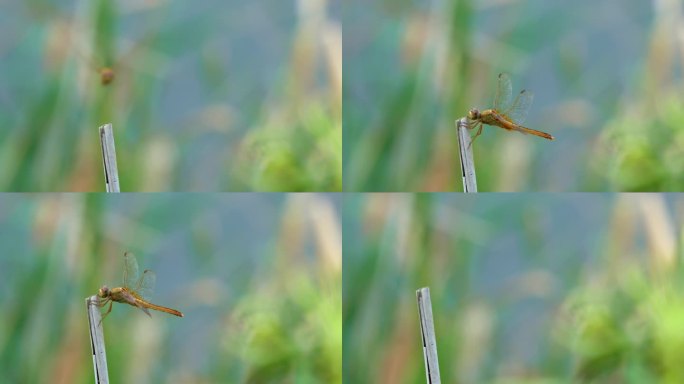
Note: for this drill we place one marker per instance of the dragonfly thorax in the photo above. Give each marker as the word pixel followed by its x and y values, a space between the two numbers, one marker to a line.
pixel 474 114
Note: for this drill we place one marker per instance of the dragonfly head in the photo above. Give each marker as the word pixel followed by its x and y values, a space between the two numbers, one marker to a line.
pixel 103 292
pixel 473 114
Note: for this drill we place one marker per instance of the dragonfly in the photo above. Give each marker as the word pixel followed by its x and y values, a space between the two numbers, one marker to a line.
pixel 505 114
pixel 108 69
pixel 134 291
pixel 106 73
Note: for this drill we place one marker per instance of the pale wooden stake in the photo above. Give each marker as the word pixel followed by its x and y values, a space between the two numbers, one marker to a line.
pixel 427 333
pixel 97 341
pixel 465 150
pixel 109 158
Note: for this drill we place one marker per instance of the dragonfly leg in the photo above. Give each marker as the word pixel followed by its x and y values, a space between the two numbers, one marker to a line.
pixel 100 302
pixel 106 313
pixel 479 132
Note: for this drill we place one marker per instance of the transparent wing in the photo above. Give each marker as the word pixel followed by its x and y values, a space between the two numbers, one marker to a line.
pixel 504 92
pixel 145 284
pixel 130 270
pixel 517 112
pixel 90 60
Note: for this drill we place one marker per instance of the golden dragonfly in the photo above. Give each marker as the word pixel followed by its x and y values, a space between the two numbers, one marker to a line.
pixel 107 68
pixel 505 114
pixel 134 290
pixel 105 72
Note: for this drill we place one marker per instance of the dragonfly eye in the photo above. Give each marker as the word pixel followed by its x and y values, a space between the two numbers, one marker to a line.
pixel 473 114
pixel 103 292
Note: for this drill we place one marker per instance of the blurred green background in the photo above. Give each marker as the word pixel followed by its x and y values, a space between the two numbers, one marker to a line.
pixel 533 288
pixel 607 78
pixel 207 96
pixel 258 277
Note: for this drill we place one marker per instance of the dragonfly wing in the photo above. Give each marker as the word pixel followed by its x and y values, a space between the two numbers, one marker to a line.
pixel 131 272
pixel 517 112
pixel 145 310
pixel 504 92
pixel 145 284
pixel 124 296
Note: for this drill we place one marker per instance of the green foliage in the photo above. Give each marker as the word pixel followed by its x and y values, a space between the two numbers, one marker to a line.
pixel 642 149
pixel 627 328
pixel 291 339
pixel 300 152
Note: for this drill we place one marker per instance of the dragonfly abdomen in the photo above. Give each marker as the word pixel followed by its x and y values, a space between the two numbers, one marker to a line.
pixel 146 304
